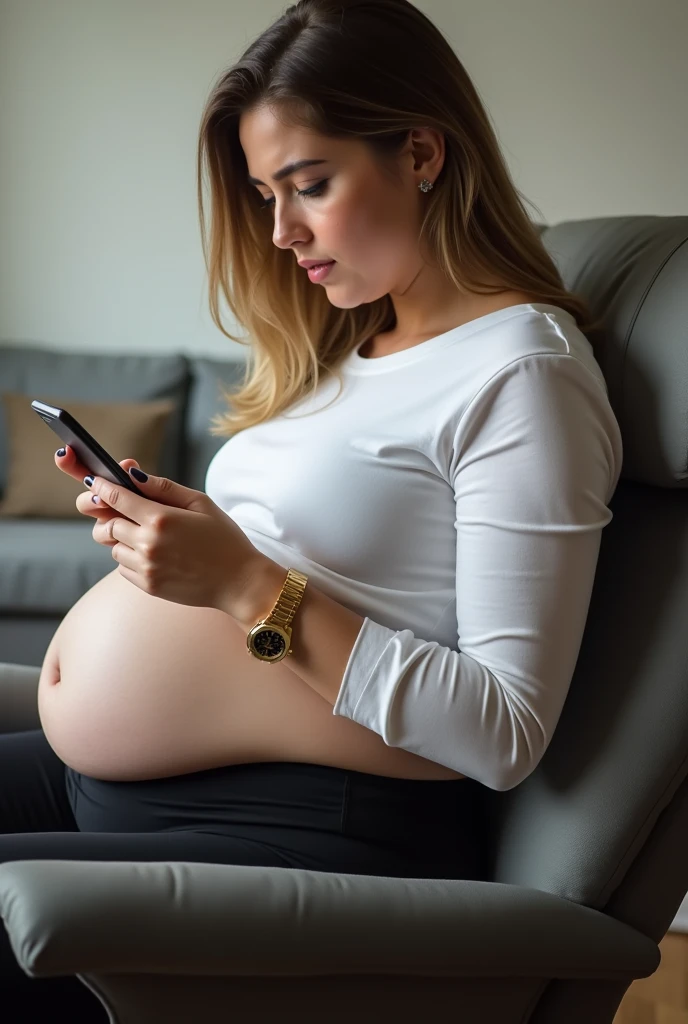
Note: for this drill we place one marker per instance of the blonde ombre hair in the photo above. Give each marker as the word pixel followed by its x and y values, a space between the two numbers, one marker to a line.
pixel 369 70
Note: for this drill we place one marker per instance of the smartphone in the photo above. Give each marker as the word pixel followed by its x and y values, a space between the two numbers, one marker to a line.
pixel 91 454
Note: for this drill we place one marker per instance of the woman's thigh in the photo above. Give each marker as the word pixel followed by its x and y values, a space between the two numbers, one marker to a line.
pixel 317 817
pixel 37 821
pixel 282 814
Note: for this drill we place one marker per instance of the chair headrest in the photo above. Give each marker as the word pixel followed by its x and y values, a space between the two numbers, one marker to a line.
pixel 633 273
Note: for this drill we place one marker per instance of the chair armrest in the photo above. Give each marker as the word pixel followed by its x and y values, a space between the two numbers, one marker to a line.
pixel 19 697
pixel 77 917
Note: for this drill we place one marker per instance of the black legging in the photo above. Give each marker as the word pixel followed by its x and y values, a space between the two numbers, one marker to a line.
pixel 275 813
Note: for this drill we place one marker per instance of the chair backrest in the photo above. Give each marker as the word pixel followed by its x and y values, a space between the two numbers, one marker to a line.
pixel 619 754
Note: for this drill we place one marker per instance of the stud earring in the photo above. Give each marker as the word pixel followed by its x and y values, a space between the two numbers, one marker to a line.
pixel 425 185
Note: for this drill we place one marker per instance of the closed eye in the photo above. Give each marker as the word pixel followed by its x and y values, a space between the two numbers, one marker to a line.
pixel 314 190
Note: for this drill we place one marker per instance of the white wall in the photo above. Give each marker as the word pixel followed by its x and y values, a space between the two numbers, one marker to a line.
pixel 100 102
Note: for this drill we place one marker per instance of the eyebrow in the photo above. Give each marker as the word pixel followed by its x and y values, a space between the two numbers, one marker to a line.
pixel 286 170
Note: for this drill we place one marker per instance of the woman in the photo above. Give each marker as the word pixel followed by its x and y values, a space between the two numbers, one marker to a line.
pixel 454 488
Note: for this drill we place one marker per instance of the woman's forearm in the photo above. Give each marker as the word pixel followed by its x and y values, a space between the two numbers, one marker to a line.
pixel 323 631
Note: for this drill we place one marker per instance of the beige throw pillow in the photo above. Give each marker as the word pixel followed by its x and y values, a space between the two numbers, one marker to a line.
pixel 35 486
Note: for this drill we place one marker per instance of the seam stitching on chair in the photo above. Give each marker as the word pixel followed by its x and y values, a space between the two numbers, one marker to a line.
pixel 636 314
pixel 680 771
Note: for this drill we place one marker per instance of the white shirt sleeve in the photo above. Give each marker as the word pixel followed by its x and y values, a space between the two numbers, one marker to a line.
pixel 535 460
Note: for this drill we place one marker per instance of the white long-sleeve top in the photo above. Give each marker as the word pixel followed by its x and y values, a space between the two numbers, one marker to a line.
pixel 454 495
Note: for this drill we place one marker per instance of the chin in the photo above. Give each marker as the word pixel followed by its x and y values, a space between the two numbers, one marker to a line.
pixel 348 302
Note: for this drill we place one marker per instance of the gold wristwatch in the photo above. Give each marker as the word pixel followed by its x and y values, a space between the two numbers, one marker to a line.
pixel 269 639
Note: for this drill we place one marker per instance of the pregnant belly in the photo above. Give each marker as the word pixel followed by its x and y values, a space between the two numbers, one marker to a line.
pixel 134 687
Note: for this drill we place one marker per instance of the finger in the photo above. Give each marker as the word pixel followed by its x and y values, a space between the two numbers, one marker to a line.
pixel 101 512
pixel 126 533
pixel 100 537
pixel 88 507
pixel 72 466
pixel 101 532
pixel 129 562
pixel 132 506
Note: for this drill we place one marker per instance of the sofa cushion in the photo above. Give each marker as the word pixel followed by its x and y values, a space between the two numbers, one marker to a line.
pixel 98 377
pixel 205 400
pixel 48 564
pixel 35 486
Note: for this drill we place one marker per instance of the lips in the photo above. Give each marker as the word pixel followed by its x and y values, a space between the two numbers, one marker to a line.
pixel 320 272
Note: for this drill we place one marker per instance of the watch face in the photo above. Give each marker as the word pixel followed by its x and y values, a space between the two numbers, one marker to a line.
pixel 269 643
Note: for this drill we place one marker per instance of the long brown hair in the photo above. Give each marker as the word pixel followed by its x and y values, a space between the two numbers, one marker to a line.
pixel 370 70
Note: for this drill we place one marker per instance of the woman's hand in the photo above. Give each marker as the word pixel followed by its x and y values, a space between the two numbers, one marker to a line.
pixel 69 464
pixel 176 544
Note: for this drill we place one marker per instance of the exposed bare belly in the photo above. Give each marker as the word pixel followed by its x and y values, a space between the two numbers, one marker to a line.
pixel 134 687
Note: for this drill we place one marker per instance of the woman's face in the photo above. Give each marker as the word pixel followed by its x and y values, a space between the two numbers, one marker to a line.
pixel 364 220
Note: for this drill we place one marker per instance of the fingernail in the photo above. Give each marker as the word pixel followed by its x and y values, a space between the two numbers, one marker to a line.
pixel 138 474
pixel 95 499
pixel 60 452
pixel 88 480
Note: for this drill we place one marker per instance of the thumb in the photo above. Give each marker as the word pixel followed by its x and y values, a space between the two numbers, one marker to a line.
pixel 168 492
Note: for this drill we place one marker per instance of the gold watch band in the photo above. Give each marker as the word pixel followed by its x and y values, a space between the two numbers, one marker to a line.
pixel 289 599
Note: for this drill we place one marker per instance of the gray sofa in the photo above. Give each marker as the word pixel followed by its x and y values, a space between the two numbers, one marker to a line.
pixel 47 565
pixel 587 859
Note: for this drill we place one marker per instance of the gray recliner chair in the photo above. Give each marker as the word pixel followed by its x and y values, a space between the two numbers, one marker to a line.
pixel 587 859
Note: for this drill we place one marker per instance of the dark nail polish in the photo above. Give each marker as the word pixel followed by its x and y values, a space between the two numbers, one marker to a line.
pixel 88 480
pixel 60 452
pixel 138 474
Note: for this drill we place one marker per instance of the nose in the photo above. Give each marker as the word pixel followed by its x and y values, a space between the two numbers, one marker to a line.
pixel 288 229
